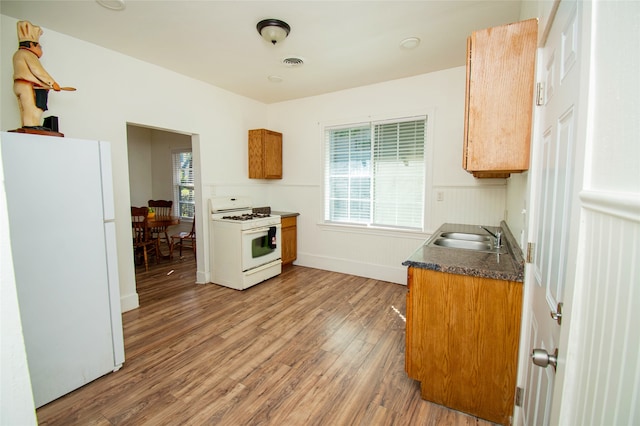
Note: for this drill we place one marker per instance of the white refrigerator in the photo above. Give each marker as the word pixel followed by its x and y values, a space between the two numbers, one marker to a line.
pixel 61 222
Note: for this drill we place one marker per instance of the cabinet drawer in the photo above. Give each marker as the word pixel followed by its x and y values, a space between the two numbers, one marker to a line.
pixel 288 222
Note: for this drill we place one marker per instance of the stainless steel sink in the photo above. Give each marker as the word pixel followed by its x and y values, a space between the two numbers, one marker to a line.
pixel 466 236
pixel 463 244
pixel 467 241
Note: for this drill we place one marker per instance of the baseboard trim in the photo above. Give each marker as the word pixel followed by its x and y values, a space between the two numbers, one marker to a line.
pixel 392 274
pixel 129 302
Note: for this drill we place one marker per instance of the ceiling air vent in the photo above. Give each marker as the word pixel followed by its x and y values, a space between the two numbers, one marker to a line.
pixel 293 61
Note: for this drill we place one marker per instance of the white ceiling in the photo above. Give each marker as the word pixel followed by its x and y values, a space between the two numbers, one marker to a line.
pixel 344 44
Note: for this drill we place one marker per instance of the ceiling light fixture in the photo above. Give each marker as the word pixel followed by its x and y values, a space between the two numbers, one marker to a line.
pixel 410 43
pixel 273 30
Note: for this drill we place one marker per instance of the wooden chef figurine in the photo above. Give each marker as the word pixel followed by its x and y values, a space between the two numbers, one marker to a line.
pixel 31 82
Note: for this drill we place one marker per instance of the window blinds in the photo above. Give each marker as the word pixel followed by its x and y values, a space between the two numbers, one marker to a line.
pixel 183 184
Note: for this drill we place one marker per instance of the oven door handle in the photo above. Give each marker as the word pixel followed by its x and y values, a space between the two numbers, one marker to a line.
pixel 259 230
pixel 262 267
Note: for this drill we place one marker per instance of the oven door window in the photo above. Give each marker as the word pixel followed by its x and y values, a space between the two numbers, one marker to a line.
pixel 261 246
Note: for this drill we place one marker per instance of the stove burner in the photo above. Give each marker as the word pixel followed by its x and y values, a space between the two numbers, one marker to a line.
pixel 247 216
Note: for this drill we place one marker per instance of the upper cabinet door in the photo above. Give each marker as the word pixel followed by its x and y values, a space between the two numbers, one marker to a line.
pixel 265 154
pixel 499 99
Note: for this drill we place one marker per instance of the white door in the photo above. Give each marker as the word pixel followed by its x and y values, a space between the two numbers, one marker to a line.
pixel 552 223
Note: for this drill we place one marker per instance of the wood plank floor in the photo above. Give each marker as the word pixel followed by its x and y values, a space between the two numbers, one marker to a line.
pixel 308 347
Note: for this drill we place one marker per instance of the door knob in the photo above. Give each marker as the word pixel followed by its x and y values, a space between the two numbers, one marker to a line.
pixel 542 358
pixel 557 315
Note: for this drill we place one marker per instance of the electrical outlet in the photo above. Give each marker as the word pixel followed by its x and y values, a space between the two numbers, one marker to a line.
pixel 440 196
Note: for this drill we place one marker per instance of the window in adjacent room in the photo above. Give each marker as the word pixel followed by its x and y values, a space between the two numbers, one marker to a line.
pixel 183 184
pixel 375 173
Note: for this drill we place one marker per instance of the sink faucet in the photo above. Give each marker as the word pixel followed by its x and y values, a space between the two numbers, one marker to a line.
pixel 497 236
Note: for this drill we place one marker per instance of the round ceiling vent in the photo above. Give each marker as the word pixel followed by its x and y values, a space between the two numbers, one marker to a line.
pixel 293 61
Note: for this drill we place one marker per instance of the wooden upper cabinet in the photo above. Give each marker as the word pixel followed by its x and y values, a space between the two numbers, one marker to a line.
pixel 499 99
pixel 265 154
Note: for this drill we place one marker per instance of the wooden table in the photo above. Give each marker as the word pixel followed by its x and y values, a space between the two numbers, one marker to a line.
pixel 163 222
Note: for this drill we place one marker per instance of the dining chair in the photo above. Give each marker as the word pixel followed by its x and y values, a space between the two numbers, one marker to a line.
pixel 161 208
pixel 182 237
pixel 142 238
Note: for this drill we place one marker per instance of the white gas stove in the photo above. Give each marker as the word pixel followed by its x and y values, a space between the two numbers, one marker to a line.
pixel 245 245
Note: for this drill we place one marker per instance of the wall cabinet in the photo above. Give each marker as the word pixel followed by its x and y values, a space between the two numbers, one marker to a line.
pixel 462 341
pixel 265 154
pixel 289 239
pixel 499 99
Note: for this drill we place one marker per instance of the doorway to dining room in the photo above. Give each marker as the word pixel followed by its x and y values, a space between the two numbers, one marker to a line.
pixel 161 167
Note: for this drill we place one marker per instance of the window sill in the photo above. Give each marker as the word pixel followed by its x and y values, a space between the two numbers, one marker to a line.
pixel 374 230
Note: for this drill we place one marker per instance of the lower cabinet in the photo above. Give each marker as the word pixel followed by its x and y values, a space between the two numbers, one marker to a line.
pixel 462 341
pixel 289 239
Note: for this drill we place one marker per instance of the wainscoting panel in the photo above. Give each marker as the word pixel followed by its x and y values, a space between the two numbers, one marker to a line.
pixel 484 205
pixel 607 300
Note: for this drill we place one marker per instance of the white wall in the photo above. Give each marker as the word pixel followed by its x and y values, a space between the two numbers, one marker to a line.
pixel 517 207
pixel 139 151
pixel 615 161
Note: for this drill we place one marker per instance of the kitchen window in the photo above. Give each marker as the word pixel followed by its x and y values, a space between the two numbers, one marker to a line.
pixel 375 173
pixel 183 184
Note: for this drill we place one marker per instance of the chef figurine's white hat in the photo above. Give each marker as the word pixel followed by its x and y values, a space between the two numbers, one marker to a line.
pixel 28 32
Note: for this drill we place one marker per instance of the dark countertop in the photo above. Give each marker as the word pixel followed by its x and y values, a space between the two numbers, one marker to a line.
pixel 285 214
pixel 508 266
pixel 273 212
